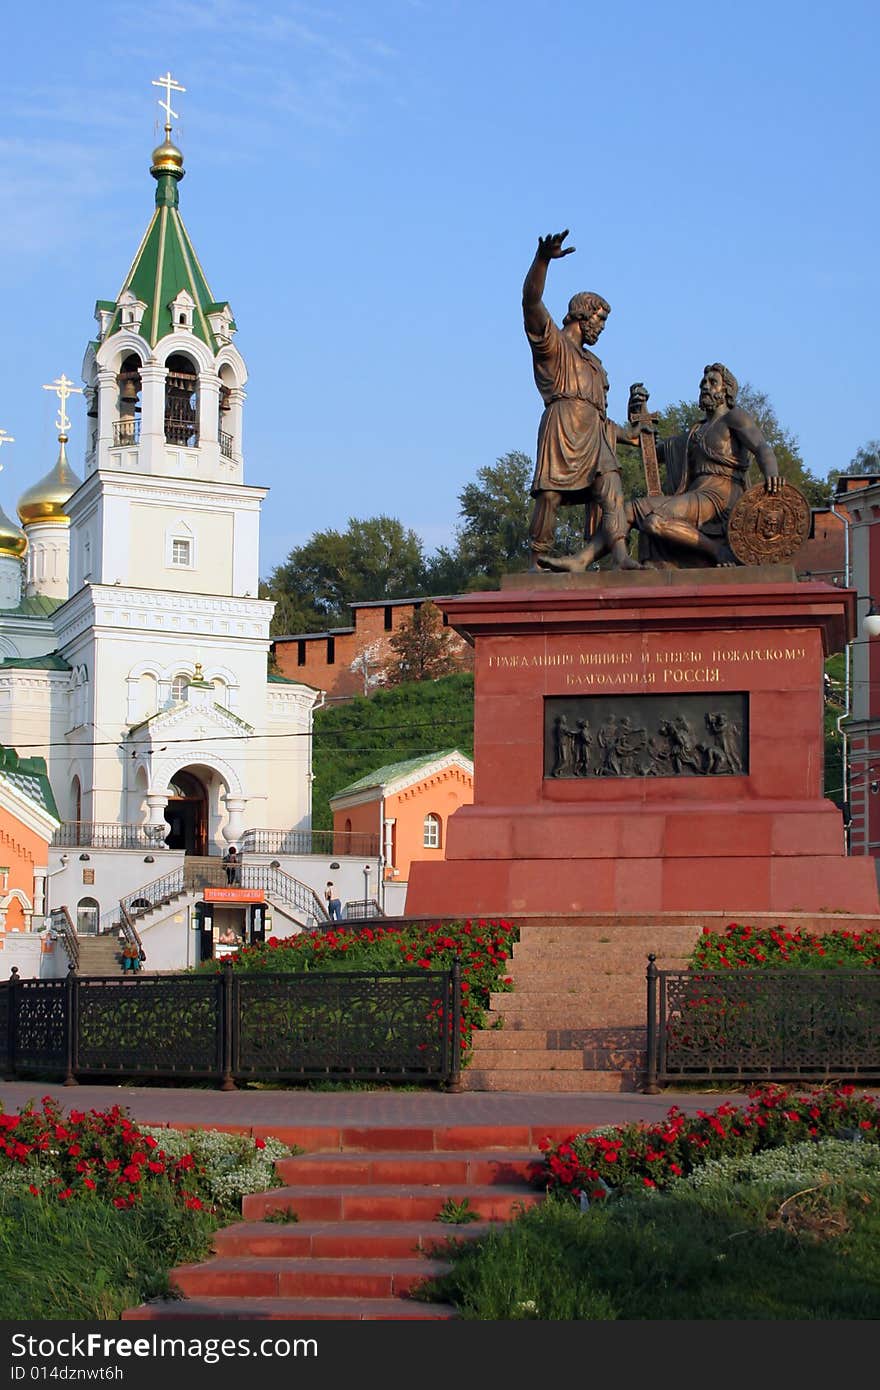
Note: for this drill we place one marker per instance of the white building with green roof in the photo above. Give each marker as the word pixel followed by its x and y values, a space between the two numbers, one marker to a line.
pixel 145 685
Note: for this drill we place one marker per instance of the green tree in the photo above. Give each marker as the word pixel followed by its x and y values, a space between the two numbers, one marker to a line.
pixel 373 559
pixel 423 649
pixel 866 459
pixel 492 537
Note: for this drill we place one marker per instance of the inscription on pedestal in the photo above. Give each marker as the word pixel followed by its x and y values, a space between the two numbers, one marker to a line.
pixel 646 735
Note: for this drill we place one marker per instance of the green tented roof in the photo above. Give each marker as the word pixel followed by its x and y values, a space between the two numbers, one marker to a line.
pixel 28 775
pixel 383 775
pixel 39 606
pixel 165 264
pixel 50 662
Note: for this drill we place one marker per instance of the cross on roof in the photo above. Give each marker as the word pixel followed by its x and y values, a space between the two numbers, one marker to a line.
pixel 63 387
pixel 170 86
pixel 5 439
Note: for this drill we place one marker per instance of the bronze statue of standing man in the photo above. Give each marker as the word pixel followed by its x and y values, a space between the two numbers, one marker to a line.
pixel 576 462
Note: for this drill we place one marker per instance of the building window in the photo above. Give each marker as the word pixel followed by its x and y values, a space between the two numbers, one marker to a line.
pixel 300 653
pixel 389 618
pixel 180 546
pixel 179 687
pixel 331 650
pixel 431 837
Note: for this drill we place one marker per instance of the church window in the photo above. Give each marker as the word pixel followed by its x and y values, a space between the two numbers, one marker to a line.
pixel 180 546
pixel 76 799
pixel 431 836
pixel 181 401
pixel 179 687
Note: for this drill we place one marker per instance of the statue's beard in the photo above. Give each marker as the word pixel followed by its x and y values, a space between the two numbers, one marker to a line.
pixel 709 401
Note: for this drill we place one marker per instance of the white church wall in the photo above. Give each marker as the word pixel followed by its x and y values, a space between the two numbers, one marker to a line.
pixel 208 537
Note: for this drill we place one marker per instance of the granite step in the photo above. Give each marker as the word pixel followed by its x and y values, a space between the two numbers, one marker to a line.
pixel 409 1169
pixel 249 1276
pixel 399 1240
pixel 481 1078
pixel 292 1310
pixel 388 1202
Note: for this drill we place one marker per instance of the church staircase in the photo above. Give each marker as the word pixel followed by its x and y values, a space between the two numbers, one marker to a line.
pixel 99 955
pixel 366 1233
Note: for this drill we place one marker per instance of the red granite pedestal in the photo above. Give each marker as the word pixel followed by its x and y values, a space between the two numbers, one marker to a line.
pixel 763 840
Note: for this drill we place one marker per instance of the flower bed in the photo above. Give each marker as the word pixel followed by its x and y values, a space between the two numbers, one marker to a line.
pixel 627 1158
pixel 482 948
pixel 767 948
pixel 106 1156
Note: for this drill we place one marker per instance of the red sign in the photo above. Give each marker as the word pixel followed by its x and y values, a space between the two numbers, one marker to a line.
pixel 234 895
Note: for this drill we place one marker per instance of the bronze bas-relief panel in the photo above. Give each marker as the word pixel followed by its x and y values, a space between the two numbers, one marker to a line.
pixel 699 735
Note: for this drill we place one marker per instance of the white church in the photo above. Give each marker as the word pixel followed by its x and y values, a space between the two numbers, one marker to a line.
pixel 134 647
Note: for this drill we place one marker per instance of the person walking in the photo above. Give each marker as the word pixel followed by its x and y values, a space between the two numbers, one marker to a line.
pixel 334 904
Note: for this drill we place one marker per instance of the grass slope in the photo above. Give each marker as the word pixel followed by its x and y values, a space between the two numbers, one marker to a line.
pixel 363 734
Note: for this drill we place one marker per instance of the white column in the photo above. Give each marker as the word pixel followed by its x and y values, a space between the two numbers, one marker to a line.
pixel 234 827
pixel 108 396
pixel 152 447
pixel 39 892
pixel 156 803
pixel 209 407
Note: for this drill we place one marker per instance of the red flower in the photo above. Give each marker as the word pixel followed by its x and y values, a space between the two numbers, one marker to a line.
pixel 193 1204
pixel 259 1143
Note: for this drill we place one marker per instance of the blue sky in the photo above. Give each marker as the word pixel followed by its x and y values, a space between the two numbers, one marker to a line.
pixel 366 182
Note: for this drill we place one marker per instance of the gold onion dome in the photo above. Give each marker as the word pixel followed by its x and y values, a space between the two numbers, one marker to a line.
pixel 13 540
pixel 167 159
pixel 47 499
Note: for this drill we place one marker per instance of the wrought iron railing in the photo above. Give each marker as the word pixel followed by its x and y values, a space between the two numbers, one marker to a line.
pixel 126 431
pixel 194 877
pixel 324 842
pixel 226 445
pixel 154 894
pixel 61 924
pixel 130 931
pixel 361 910
pixel 758 1025
pixel 395 1025
pixel 181 432
pixel 72 834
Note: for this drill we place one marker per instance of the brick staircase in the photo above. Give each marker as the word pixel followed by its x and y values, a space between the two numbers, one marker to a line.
pixel 366 1202
pixel 575 1020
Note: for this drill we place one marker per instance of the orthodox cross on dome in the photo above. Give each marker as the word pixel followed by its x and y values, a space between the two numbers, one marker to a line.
pixel 170 86
pixel 63 387
pixel 5 439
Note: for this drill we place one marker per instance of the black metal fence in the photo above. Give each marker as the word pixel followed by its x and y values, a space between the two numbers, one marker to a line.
pixel 762 1025
pixel 394 1026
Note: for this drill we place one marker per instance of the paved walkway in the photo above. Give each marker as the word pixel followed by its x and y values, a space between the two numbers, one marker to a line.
pixel 242 1109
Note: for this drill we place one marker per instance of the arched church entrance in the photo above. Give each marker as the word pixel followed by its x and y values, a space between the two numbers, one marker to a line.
pixel 187 814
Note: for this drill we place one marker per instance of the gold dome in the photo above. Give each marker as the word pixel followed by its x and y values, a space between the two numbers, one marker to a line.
pixel 167 159
pixel 47 499
pixel 13 540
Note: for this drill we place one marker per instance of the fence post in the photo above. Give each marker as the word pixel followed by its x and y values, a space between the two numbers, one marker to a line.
pixel 12 1024
pixel 227 1081
pixel 71 986
pixel 651 1088
pixel 454 1083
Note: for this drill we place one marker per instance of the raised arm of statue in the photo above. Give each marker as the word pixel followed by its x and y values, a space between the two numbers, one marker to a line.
pixel 550 248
